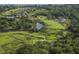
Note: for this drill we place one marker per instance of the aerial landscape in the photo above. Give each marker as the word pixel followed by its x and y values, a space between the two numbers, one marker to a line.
pixel 39 29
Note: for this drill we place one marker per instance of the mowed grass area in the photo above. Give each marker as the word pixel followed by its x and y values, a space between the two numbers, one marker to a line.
pixel 30 38
pixel 8 37
pixel 10 12
pixel 51 23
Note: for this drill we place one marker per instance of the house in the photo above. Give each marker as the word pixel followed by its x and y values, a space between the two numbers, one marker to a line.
pixel 38 26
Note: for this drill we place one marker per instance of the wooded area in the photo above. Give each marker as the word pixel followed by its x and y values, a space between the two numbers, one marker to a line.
pixel 39 29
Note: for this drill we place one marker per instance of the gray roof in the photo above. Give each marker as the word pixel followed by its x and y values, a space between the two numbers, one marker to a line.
pixel 39 26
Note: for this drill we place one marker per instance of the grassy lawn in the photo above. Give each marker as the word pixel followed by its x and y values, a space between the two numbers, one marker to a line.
pixel 23 35
pixel 51 23
pixel 9 12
